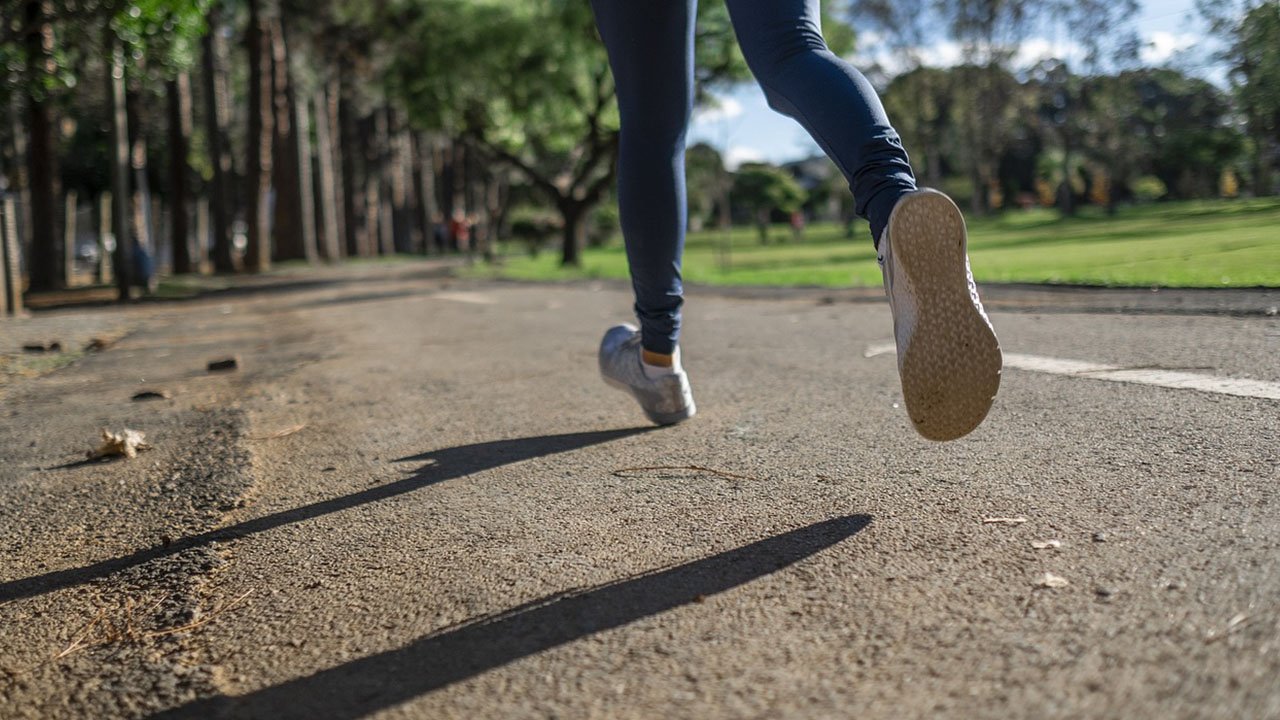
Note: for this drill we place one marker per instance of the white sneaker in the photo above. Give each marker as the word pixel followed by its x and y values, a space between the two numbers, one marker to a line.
pixel 666 399
pixel 948 356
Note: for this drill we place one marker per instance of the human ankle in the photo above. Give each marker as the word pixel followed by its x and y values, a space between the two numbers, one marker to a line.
pixel 656 365
pixel 657 359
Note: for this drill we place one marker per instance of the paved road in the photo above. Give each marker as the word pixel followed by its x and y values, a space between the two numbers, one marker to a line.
pixel 416 499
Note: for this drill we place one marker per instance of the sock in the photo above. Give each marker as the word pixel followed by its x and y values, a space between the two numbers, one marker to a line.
pixel 653 372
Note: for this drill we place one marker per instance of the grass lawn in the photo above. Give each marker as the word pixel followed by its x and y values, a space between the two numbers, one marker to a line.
pixel 1220 243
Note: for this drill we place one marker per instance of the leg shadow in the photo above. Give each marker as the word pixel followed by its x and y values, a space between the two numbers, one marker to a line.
pixel 373 683
pixel 446 464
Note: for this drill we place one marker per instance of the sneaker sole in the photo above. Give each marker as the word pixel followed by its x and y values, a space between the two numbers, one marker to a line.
pixel 656 418
pixel 951 368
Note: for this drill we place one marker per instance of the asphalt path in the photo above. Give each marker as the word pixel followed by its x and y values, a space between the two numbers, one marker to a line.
pixel 416 498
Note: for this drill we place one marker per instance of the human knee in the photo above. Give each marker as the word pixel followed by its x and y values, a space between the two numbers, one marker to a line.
pixel 664 127
pixel 772 58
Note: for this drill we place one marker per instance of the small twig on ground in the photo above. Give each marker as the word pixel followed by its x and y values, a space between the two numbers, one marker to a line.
pixel 692 468
pixel 79 641
pixel 202 621
pixel 285 432
pixel 1003 520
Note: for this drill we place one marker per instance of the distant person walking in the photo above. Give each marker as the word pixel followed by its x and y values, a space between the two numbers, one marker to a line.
pixel 460 231
pixel 949 359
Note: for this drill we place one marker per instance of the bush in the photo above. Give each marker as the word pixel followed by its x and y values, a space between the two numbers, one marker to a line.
pixel 604 224
pixel 1149 187
pixel 533 225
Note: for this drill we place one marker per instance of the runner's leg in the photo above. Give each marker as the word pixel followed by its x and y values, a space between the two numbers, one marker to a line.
pixel 650 46
pixel 782 42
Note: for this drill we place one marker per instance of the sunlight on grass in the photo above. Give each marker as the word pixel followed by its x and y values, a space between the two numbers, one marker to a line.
pixel 1190 244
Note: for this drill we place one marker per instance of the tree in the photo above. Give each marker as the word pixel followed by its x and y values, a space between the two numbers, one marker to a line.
pixel 261 127
pixel 534 91
pixel 990 33
pixel 1250 30
pixel 46 260
pixel 215 110
pixel 762 189
pixel 708 183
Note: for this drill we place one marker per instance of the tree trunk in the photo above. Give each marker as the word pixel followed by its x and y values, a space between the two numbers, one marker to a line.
pixel 119 163
pixel 330 230
pixel 1262 154
pixel 179 92
pixel 306 181
pixel 386 240
pixel 201 259
pixel 141 199
pixel 71 207
pixel 44 268
pixel 214 112
pixel 424 180
pixel 574 215
pixel 102 273
pixel 10 259
pixel 349 142
pixel 288 227
pixel 1068 193
pixel 372 216
pixel 258 174
pixel 406 235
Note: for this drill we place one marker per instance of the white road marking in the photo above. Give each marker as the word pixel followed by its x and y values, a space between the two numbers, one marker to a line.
pixel 1115 373
pixel 465 297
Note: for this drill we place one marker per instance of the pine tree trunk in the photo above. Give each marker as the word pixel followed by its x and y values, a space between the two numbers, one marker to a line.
pixel 348 141
pixel 214 112
pixel 141 199
pixel 424 181
pixel 71 207
pixel 258 174
pixel 44 262
pixel 306 180
pixel 386 238
pixel 179 92
pixel 288 227
pixel 329 233
pixel 119 162
pixel 102 273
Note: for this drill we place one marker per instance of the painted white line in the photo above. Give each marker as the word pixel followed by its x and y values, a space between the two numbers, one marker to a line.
pixel 465 297
pixel 1115 373
pixel 880 349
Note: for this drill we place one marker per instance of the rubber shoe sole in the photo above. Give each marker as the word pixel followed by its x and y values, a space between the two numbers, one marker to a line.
pixel 951 366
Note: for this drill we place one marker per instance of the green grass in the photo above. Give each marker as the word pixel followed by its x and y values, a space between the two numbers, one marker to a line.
pixel 1216 243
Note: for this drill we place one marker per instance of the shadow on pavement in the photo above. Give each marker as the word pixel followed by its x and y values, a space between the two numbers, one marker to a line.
pixel 377 682
pixel 446 464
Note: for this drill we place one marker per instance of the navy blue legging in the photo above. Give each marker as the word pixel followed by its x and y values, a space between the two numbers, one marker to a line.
pixel 650 46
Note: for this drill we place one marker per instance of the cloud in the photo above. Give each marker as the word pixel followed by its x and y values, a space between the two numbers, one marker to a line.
pixel 725 108
pixel 738 154
pixel 1162 46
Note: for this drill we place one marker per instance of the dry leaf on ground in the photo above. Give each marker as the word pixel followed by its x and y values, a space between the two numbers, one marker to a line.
pixel 1049 580
pixel 126 442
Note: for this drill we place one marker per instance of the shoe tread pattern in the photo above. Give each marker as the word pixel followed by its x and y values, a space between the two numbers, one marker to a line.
pixel 951 368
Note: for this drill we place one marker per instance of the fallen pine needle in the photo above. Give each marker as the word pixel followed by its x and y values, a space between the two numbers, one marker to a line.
pixel 198 623
pixel 1004 520
pixel 79 640
pixel 286 432
pixel 692 468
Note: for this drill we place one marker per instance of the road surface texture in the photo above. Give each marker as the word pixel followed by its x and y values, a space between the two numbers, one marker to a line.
pixel 415 498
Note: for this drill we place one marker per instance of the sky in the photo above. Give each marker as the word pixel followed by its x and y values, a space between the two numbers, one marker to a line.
pixel 745 125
